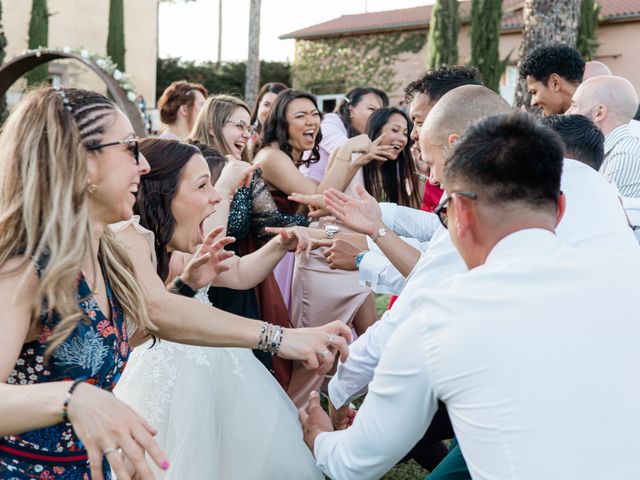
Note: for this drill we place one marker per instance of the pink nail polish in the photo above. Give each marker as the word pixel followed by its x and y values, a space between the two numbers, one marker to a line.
pixel 165 465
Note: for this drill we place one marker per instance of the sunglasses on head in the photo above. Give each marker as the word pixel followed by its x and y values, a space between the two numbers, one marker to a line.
pixel 132 142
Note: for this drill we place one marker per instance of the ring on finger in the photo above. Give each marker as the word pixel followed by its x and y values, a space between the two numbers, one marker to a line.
pixel 324 353
pixel 331 337
pixel 109 450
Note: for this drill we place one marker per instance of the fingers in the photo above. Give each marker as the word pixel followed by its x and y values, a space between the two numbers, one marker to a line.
pixel 95 461
pixel 340 329
pixel 274 230
pixel 300 198
pixel 151 446
pixel 316 213
pixel 117 465
pixel 362 193
pixel 377 141
pixel 223 242
pixel 135 453
pixel 208 240
pixel 340 345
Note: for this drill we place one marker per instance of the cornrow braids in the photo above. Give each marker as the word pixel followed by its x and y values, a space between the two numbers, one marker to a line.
pixel 44 213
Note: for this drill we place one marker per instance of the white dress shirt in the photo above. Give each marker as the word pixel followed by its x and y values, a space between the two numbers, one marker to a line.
pixel 535 354
pixel 593 217
pixel 415 227
pixel 634 128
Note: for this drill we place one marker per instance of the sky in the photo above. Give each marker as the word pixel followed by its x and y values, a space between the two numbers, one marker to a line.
pixel 190 29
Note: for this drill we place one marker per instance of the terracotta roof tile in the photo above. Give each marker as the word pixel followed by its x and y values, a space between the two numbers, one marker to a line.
pixel 417 18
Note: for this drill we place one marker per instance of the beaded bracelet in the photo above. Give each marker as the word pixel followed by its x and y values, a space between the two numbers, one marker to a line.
pixel 67 398
pixel 270 338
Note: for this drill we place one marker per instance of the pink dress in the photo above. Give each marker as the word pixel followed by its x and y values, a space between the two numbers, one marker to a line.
pixel 320 295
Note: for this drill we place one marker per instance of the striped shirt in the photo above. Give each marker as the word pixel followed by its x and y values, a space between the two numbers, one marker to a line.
pixel 622 161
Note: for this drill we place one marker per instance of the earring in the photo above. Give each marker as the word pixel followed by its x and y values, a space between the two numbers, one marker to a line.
pixel 92 188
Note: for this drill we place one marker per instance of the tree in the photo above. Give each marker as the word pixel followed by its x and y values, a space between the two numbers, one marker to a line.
pixel 587 42
pixel 226 77
pixel 442 43
pixel 3 45
pixel 545 22
pixel 115 38
pixel 252 80
pixel 38 37
pixel 486 16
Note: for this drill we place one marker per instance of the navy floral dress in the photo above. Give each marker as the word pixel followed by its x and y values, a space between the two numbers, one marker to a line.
pixel 97 351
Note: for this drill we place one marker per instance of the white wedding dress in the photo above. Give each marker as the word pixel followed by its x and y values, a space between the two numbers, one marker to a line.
pixel 220 415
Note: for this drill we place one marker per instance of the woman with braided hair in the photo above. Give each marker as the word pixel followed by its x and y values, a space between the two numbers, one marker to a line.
pixel 73 296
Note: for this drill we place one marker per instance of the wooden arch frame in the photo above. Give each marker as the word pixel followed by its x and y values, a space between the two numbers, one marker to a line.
pixel 14 69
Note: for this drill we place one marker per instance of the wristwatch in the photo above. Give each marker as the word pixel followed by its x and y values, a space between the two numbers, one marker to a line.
pixel 380 232
pixel 182 288
pixel 359 258
pixel 330 231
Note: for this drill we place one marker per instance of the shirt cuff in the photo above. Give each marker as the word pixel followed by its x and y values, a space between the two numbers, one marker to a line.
pixel 337 395
pixel 388 214
pixel 371 266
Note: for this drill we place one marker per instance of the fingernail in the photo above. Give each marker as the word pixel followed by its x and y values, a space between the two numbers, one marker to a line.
pixel 313 394
pixel 165 465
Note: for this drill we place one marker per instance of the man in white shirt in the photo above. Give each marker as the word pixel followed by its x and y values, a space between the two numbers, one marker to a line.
pixel 611 102
pixel 514 347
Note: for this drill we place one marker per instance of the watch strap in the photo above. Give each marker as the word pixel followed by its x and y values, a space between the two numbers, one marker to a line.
pixel 182 288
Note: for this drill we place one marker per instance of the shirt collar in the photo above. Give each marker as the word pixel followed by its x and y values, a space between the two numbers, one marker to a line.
pixel 523 243
pixel 615 136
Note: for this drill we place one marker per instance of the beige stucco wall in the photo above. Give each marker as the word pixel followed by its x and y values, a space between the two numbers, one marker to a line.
pixel 84 24
pixel 618 49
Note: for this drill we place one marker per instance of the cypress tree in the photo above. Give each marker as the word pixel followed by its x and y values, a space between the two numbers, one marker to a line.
pixel 442 43
pixel 587 42
pixel 485 40
pixel 38 37
pixel 3 45
pixel 115 39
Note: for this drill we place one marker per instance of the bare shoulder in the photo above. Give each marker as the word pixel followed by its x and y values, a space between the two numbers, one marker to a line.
pixel 18 279
pixel 270 155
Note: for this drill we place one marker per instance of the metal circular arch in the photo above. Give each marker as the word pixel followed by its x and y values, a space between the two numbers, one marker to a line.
pixel 15 68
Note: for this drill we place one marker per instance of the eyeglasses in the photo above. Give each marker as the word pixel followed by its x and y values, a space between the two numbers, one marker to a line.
pixel 441 209
pixel 132 142
pixel 243 126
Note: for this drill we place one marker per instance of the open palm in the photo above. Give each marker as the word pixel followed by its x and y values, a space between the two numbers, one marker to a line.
pixel 362 215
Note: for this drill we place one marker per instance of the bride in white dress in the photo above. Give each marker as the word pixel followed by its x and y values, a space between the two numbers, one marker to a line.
pixel 218 411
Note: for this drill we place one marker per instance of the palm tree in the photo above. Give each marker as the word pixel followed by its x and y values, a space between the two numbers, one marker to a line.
pixel 252 80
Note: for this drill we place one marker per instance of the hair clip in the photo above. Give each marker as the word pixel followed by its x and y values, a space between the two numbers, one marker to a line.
pixel 65 100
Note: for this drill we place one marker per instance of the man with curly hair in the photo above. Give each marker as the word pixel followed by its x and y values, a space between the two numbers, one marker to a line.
pixel 553 73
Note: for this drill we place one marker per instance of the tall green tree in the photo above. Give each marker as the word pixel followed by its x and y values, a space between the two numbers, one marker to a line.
pixel 587 42
pixel 442 43
pixel 486 16
pixel 38 37
pixel 3 45
pixel 115 39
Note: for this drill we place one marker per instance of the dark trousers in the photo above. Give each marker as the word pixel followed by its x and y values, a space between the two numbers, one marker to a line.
pixel 430 451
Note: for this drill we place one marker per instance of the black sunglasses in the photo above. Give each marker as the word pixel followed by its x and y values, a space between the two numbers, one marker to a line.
pixel 132 142
pixel 441 209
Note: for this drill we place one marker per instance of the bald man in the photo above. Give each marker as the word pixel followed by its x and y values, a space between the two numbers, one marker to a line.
pixel 594 68
pixel 611 102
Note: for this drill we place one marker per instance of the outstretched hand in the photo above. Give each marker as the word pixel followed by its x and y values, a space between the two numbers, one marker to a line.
pixel 314 420
pixel 207 263
pixel 363 215
pixel 315 203
pixel 298 239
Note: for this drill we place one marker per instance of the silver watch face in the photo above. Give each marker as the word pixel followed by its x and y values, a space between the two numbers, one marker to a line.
pixel 382 232
pixel 331 229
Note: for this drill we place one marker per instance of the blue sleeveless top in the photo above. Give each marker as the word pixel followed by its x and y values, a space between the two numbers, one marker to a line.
pixel 97 350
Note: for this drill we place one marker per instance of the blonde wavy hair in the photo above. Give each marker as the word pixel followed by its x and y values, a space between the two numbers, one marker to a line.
pixel 214 115
pixel 44 214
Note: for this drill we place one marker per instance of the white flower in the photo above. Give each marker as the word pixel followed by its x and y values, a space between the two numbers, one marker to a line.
pixel 131 96
pixel 101 63
pixel 84 53
pixel 66 50
pixel 38 53
pixel 117 75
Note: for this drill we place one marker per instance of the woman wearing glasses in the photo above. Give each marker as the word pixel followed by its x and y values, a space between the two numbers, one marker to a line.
pixel 72 295
pixel 223 128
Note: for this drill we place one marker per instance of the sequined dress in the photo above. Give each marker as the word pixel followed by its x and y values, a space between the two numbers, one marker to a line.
pixel 97 351
pixel 252 210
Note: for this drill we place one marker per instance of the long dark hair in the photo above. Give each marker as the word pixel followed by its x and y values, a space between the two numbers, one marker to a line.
pixel 353 98
pixel 167 159
pixel 276 127
pixel 271 87
pixel 393 180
